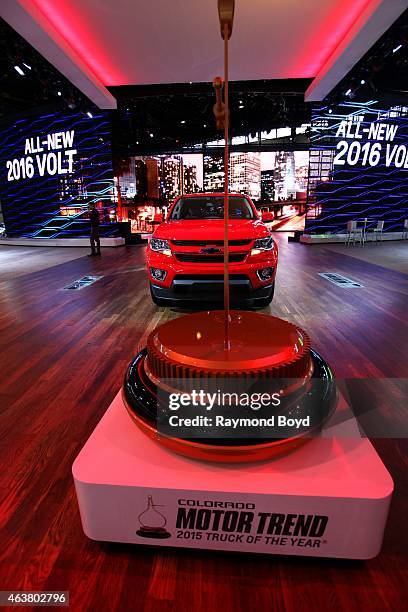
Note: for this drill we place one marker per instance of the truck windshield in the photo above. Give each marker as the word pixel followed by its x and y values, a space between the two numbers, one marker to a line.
pixel 211 207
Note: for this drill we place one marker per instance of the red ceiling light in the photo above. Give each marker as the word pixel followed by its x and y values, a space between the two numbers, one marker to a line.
pixel 78 34
pixel 84 26
pixel 339 17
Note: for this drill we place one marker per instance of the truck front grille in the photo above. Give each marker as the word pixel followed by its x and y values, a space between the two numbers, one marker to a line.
pixel 197 243
pixel 206 258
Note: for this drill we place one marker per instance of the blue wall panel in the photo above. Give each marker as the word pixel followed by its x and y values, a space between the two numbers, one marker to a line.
pixel 357 190
pixel 55 205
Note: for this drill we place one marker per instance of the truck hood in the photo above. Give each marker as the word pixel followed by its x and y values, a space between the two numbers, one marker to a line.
pixel 211 229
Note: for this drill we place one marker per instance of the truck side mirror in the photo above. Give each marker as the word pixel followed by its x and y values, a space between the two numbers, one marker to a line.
pixel 267 216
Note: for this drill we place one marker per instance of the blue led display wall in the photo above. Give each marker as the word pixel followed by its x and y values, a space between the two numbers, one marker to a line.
pixel 52 167
pixel 358 166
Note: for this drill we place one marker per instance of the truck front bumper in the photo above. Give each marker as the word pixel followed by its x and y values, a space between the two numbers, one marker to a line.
pixel 207 288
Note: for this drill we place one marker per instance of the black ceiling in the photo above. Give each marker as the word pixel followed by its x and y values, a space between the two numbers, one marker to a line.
pixel 37 89
pixel 182 114
pixel 382 73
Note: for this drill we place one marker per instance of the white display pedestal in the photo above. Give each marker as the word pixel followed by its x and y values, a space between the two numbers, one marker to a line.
pixel 330 498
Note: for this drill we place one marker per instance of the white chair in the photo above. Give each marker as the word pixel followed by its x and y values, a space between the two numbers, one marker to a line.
pixel 378 231
pixel 354 233
pixel 405 231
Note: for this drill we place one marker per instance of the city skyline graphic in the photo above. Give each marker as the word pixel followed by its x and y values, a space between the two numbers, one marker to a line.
pixel 261 175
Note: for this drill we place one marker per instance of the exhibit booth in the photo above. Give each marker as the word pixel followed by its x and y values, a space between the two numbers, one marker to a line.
pixel 221 381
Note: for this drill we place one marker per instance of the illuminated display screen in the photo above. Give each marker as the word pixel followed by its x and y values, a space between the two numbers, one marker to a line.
pixel 52 167
pixel 276 181
pixel 358 166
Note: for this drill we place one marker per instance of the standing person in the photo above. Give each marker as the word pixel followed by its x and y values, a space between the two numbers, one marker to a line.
pixel 95 240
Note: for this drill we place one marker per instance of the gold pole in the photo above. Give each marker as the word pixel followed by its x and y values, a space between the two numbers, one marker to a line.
pixel 227 341
pixel 226 16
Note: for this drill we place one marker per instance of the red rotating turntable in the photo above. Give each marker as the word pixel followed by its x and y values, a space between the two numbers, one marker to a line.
pixel 264 350
pixel 260 345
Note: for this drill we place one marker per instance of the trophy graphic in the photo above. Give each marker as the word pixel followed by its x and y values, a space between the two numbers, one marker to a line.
pixel 152 522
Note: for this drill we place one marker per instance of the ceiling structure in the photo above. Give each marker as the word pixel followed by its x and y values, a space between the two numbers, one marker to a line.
pixel 167 117
pixel 382 72
pixel 101 43
pixel 29 84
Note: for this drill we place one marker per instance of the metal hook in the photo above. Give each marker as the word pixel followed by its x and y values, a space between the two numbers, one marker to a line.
pixel 226 16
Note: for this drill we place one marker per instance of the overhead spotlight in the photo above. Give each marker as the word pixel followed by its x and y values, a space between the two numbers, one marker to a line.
pixel 137 142
pixel 205 125
pixel 26 65
pixel 348 92
pixel 241 106
pixel 362 82
pixel 90 115
pixel 396 48
pixel 151 135
pixel 18 69
pixel 59 93
pixel 183 121
pixel 330 111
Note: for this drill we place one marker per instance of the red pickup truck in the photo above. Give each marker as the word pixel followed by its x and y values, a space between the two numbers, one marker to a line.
pixel 186 252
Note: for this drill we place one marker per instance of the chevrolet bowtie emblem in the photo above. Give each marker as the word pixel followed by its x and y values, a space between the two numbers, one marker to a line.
pixel 210 250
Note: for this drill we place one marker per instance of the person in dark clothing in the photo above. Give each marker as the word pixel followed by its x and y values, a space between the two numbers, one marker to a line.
pixel 95 240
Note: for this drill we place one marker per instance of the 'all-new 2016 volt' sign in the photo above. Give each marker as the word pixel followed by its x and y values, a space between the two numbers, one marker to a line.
pixel 379 148
pixel 50 155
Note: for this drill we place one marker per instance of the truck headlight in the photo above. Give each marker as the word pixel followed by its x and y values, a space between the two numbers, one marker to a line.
pixel 262 244
pixel 160 246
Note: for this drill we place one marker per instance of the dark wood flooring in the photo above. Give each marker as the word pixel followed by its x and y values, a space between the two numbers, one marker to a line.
pixel 62 359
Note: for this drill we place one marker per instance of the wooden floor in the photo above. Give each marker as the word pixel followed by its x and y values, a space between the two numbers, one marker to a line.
pixel 62 359
pixel 392 254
